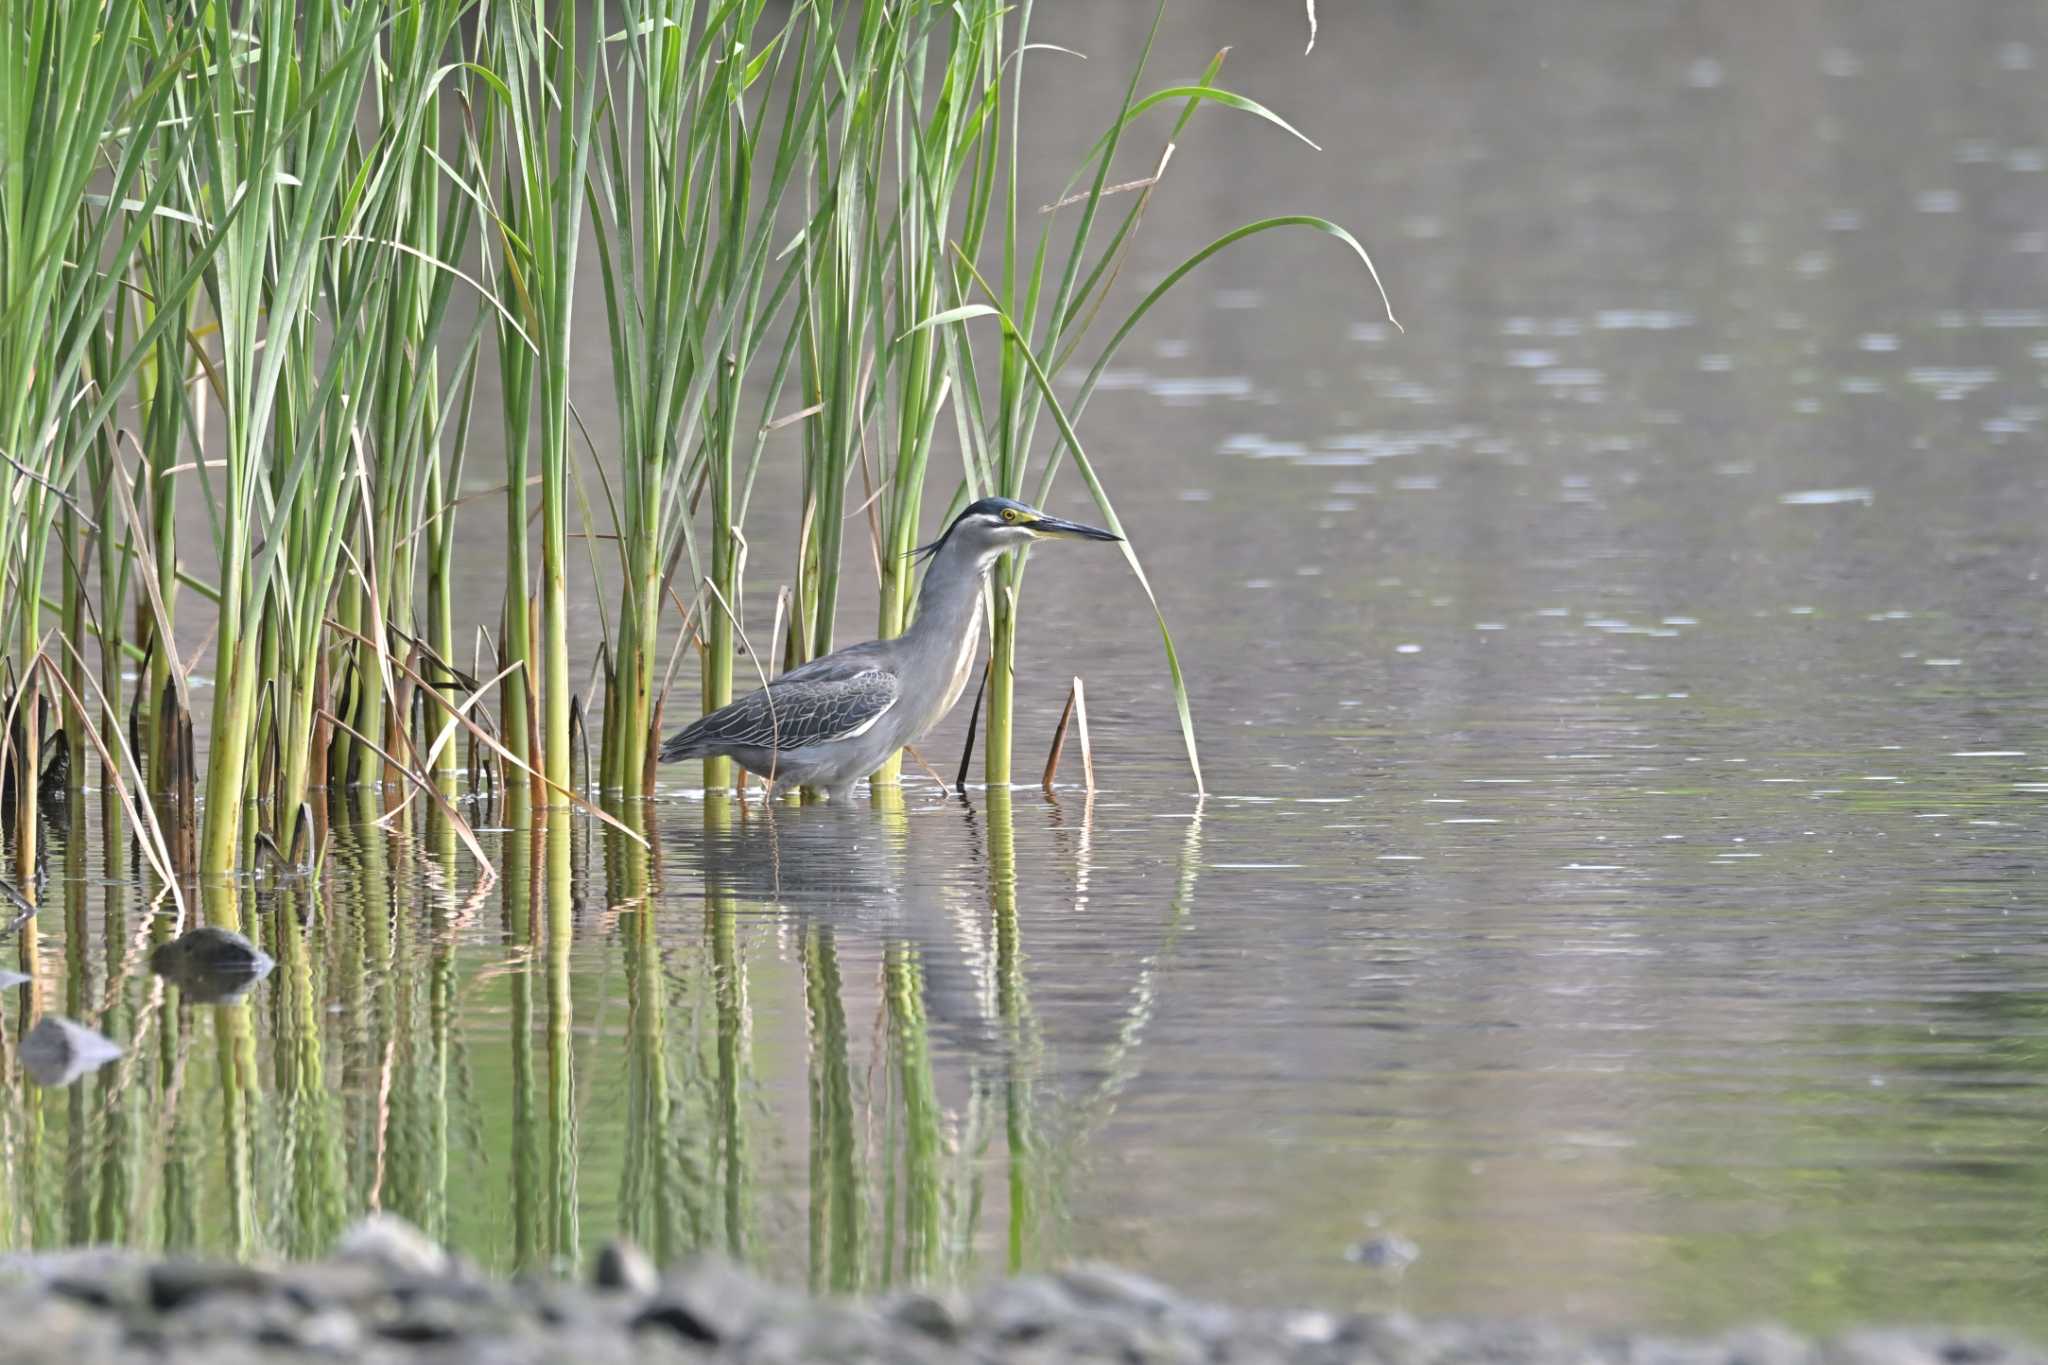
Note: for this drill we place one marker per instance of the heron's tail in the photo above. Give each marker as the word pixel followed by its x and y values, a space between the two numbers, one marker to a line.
pixel 686 743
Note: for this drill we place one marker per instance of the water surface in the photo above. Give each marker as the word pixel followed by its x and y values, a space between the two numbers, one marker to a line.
pixel 1622 718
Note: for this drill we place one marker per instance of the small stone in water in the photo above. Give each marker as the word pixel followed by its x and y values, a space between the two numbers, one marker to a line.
pixel 623 1266
pixel 1384 1253
pixel 211 966
pixel 926 1313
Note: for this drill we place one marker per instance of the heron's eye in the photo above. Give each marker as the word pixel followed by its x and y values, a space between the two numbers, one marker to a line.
pixel 1010 514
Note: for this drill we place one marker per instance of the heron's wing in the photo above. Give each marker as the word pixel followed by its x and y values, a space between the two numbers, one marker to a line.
pixel 800 708
pixel 840 665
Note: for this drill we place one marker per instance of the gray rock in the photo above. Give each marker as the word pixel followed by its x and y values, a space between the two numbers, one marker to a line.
pixel 328 1331
pixel 709 1300
pixel 1766 1345
pixel 213 1319
pixel 625 1268
pixel 1389 1253
pixel 924 1313
pixel 211 966
pixel 57 1051
pixel 1094 1282
pixel 46 1330
pixel 388 1241
pixel 353 1285
pixel 1022 1309
pixel 1918 1347
pixel 104 1277
pixel 1313 1327
pixel 175 1283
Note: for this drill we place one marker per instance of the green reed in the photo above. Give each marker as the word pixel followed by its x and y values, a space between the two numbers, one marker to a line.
pixel 273 133
pixel 843 280
pixel 688 191
pixel 78 124
pixel 404 256
pixel 937 139
pixel 252 263
pixel 537 108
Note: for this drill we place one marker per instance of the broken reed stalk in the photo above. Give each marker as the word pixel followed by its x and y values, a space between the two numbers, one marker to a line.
pixel 1076 710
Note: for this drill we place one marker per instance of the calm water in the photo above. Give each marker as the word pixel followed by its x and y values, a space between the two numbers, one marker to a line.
pixel 1622 714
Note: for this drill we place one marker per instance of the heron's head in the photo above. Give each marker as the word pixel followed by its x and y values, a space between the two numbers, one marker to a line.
pixel 993 525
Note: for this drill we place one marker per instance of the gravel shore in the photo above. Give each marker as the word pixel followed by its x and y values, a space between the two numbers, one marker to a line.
pixel 389 1295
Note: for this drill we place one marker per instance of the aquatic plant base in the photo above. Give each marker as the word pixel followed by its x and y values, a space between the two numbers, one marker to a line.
pixel 390 1294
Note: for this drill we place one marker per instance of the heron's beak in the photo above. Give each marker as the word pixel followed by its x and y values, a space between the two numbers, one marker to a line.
pixel 1047 527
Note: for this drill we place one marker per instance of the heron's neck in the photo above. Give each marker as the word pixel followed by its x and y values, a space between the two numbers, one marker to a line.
pixel 949 602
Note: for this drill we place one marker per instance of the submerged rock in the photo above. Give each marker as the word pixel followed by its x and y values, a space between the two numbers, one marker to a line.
pixel 1389 1253
pixel 57 1051
pixel 211 966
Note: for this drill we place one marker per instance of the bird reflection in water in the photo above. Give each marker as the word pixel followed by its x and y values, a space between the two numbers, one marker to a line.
pixel 861 876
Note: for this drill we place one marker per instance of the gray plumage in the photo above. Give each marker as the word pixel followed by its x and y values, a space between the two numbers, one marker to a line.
pixel 834 720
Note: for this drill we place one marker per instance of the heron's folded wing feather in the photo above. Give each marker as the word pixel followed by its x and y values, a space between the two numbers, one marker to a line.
pixel 797 710
pixel 841 665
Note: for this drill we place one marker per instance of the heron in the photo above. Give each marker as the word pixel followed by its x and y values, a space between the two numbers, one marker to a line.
pixel 833 721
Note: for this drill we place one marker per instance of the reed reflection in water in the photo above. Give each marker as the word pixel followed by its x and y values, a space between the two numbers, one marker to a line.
pixel 803 1039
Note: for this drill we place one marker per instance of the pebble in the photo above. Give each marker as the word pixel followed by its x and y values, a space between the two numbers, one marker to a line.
pixel 1393 1254
pixel 211 966
pixel 925 1313
pixel 624 1267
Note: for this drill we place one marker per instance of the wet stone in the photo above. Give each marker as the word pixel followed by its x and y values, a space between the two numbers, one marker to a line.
pixel 58 1331
pixel 678 1317
pixel 97 1276
pixel 624 1267
pixel 173 1284
pixel 1022 1309
pixel 1657 1350
pixel 924 1313
pixel 328 1330
pixel 833 1334
pixel 711 1300
pixel 210 965
pixel 1388 1253
pixel 1108 1284
pixel 1878 1347
pixel 350 1284
pixel 1767 1345
pixel 228 1317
